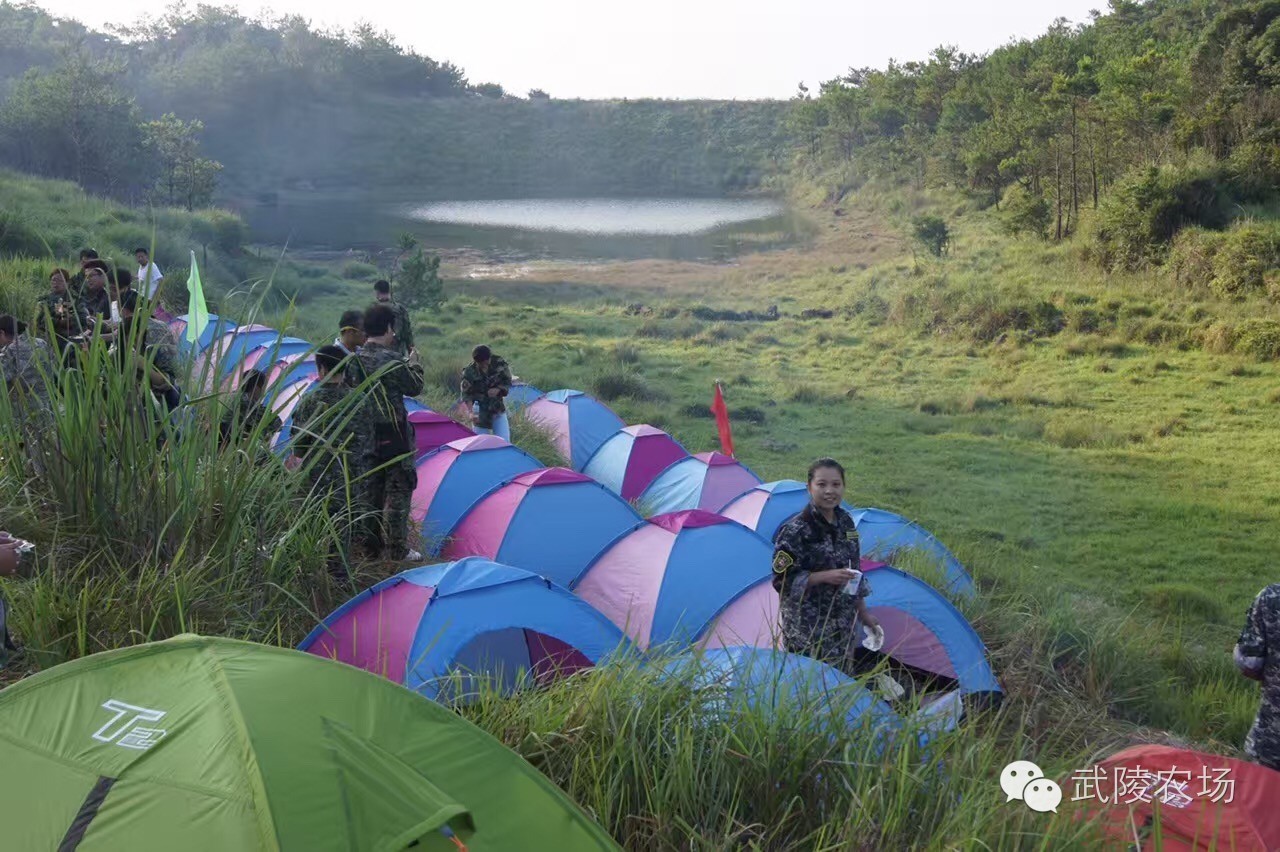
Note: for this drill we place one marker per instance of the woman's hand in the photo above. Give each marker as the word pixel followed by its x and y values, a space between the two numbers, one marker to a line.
pixel 869 621
pixel 833 576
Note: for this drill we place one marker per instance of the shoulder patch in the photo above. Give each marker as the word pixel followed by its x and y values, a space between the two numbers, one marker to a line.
pixel 850 534
pixel 782 561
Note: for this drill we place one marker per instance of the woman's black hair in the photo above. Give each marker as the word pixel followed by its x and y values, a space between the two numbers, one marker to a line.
pixel 12 326
pixel 825 462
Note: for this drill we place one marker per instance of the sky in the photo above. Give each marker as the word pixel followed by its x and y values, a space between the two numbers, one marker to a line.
pixel 742 50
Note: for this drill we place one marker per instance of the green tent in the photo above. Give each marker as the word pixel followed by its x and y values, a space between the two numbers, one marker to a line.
pixel 200 743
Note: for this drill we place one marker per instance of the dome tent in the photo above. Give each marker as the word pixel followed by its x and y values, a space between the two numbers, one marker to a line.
pixel 551 521
pixel 702 481
pixel 266 356
pixel 632 458
pixel 578 422
pixel 685 577
pixel 201 743
pixel 215 328
pixel 432 430
pixel 923 630
pixel 454 476
pixel 472 615
pixel 223 355
pixel 882 534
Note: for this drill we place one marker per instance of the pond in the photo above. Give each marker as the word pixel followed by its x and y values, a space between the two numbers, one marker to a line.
pixel 515 229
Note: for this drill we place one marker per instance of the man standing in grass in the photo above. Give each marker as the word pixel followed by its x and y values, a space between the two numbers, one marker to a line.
pixel 403 325
pixel 333 437
pixel 485 382
pixel 1257 654
pixel 390 377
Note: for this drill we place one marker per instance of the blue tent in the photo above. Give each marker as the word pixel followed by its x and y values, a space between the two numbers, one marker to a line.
pixel 580 423
pixel 551 521
pixel 411 405
pixel 923 630
pixel 216 327
pixel 453 477
pixel 267 354
pixel 799 689
pixel 498 623
pixel 521 395
pixel 702 481
pixel 766 507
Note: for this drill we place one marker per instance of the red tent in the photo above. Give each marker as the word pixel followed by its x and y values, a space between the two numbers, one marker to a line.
pixel 1205 801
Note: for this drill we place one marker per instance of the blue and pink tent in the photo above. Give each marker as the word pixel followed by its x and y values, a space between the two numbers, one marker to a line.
pixel 266 356
pixel 578 422
pixel 683 578
pixel 923 630
pixel 551 521
pixel 432 430
pixel 701 481
pixel 476 618
pixel 633 458
pixel 216 327
pixel 456 475
pixel 223 354
pixel 882 534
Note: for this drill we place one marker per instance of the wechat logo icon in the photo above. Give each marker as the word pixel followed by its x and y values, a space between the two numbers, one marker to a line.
pixel 1023 780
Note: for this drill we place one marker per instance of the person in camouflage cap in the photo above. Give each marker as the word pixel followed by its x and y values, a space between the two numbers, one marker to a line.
pixel 816 555
pixel 1257 654
pixel 485 382
pixel 403 324
pixel 332 435
pixel 244 417
pixel 27 366
pixel 388 377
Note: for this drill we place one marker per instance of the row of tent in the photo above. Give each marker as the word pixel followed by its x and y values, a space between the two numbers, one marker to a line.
pixel 201 743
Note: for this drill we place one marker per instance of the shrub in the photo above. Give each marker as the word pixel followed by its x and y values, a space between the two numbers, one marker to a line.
pixel 357 270
pixel 1247 253
pixel 1149 205
pixel 1191 257
pixel 611 384
pixel 931 233
pixel 1026 212
pixel 1259 338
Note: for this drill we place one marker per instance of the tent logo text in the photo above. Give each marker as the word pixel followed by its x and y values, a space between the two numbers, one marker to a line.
pixel 126 728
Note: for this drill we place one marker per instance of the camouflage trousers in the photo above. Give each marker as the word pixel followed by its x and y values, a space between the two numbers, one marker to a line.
pixel 1262 744
pixel 389 492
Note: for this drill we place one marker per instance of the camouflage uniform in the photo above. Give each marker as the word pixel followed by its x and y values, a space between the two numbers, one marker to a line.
pixel 67 317
pixel 390 489
pixel 819 621
pixel 403 326
pixel 96 304
pixel 27 365
pixel 476 385
pixel 1258 649
pixel 336 446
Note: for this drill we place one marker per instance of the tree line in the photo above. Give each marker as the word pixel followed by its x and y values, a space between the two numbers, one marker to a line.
pixel 1158 115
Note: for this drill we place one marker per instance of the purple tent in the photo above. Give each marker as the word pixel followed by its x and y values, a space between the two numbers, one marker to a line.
pixel 432 430
pixel 458 474
pixel 703 481
pixel 683 578
pixel 579 423
pixel 551 521
pixel 474 616
pixel 633 458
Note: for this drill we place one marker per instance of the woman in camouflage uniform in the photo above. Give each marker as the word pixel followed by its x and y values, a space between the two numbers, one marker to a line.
pixel 816 571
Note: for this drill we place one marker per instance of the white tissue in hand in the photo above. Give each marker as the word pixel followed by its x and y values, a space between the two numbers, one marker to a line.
pixel 874 640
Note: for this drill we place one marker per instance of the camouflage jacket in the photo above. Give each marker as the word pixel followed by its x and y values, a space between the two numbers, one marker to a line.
pixel 158 344
pixel 96 304
pixel 1258 650
pixel 248 414
pixel 403 326
pixel 335 438
pixel 67 316
pixel 28 367
pixel 393 378
pixel 818 620
pixel 476 386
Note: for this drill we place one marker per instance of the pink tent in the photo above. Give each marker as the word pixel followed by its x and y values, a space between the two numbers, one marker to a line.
pixel 579 423
pixel 686 578
pixel 633 458
pixel 432 430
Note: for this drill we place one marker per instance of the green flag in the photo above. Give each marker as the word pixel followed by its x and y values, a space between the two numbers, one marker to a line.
pixel 197 311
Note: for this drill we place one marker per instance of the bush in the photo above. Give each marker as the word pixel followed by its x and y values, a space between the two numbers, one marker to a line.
pixel 357 270
pixel 1248 252
pixel 931 233
pixel 1026 213
pixel 18 237
pixel 1259 338
pixel 611 384
pixel 1149 205
pixel 1192 256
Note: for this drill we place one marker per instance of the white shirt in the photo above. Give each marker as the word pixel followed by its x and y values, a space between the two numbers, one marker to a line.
pixel 154 281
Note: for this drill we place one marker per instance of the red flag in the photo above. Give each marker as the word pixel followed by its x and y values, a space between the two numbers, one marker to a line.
pixel 722 422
